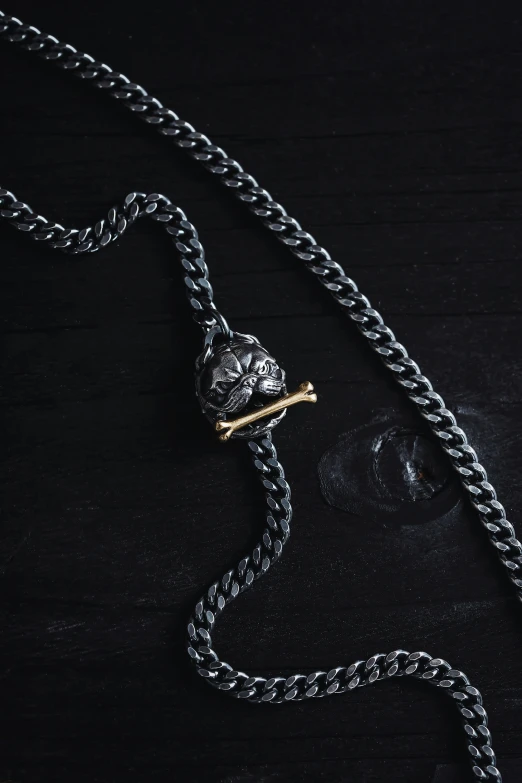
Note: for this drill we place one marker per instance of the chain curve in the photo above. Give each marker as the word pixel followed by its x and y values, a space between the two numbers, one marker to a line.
pixel 75 241
pixel 381 339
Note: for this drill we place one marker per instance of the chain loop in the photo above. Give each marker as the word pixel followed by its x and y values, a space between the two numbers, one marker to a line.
pixel 370 324
pixel 135 205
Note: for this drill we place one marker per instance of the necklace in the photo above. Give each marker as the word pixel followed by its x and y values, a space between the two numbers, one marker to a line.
pixel 242 391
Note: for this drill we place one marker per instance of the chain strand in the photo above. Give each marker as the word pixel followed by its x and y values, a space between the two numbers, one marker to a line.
pixel 380 338
pixel 135 205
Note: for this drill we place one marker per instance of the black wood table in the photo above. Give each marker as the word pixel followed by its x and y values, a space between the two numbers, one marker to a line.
pixel 393 133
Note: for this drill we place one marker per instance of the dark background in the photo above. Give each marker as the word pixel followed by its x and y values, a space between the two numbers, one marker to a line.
pixel 392 132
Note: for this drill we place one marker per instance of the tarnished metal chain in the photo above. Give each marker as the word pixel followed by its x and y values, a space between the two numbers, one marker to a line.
pixel 297 687
pixel 382 340
pixel 135 205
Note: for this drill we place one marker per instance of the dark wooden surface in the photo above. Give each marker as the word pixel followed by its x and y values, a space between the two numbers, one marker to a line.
pixel 393 132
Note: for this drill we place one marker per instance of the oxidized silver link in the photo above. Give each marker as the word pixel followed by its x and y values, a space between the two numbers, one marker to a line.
pixel 298 687
pixel 382 340
pixel 136 205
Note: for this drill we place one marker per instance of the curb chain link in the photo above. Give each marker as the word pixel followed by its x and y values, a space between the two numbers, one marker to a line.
pixel 380 338
pixel 136 205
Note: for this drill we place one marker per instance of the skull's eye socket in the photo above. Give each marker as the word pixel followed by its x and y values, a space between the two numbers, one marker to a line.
pixel 225 384
pixel 222 386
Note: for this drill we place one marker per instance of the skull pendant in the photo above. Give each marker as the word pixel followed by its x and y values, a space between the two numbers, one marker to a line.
pixel 237 377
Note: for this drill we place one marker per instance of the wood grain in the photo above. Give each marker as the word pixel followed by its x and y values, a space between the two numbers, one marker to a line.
pixel 392 131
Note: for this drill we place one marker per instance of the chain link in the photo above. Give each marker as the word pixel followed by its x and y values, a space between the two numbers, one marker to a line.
pixel 135 205
pixel 380 338
pixel 340 679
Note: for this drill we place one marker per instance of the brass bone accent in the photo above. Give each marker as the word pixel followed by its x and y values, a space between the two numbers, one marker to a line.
pixel 305 393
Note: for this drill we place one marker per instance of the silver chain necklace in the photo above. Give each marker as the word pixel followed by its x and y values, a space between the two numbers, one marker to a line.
pixel 236 375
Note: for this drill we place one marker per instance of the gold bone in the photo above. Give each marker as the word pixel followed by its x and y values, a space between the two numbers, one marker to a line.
pixel 305 393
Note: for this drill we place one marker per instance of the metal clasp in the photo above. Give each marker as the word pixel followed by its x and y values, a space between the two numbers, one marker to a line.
pixel 305 393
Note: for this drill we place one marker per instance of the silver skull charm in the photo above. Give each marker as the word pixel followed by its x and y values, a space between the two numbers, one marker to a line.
pixel 237 377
